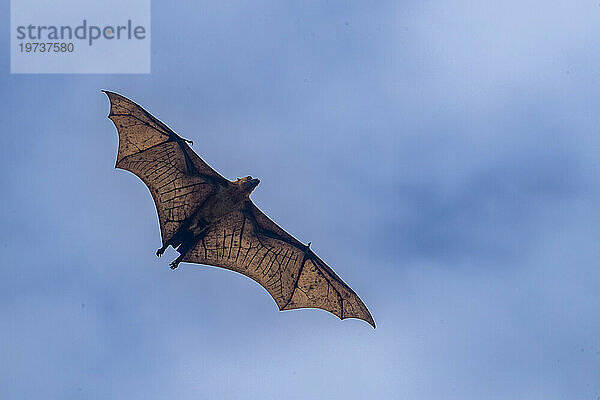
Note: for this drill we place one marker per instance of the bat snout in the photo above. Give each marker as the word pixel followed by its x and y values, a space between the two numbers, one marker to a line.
pixel 249 183
pixel 253 183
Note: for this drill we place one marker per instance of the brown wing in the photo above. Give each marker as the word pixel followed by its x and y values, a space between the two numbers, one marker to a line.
pixel 178 179
pixel 248 242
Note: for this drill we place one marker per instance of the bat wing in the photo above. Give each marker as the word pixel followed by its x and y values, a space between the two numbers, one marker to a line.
pixel 178 179
pixel 248 242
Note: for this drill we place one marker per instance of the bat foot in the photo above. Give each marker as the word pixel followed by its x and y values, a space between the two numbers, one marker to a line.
pixel 160 252
pixel 174 265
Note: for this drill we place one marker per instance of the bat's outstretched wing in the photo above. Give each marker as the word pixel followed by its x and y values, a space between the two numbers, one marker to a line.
pixel 178 179
pixel 248 242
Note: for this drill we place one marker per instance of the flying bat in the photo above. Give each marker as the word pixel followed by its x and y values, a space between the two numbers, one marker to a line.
pixel 211 220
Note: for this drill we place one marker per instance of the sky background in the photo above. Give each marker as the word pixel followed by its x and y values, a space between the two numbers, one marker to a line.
pixel 442 157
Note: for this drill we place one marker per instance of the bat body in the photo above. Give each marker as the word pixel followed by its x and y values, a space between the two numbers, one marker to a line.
pixel 211 220
pixel 216 206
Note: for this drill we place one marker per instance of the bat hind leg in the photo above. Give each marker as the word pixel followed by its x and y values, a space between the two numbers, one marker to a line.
pixel 160 251
pixel 183 250
pixel 174 241
pixel 175 263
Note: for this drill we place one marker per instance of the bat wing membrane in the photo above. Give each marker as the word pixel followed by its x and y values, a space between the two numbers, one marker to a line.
pixel 178 179
pixel 248 242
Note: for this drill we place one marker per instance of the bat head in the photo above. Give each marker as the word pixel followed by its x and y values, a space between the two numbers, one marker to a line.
pixel 247 183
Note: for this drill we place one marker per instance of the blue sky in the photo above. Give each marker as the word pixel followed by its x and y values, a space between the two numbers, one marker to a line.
pixel 442 157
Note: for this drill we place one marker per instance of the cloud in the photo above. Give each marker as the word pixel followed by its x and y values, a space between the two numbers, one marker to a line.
pixel 441 157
